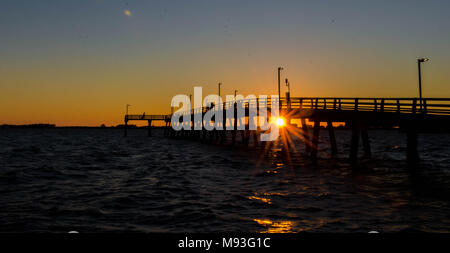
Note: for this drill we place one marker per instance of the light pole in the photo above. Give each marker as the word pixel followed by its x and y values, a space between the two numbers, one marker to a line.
pixel 279 74
pixel 419 61
pixel 288 85
pixel 235 93
pixel 288 94
pixel 220 84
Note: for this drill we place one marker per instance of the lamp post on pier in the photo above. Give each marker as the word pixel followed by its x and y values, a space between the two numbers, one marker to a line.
pixel 288 94
pixel 279 80
pixel 288 85
pixel 419 62
pixel 220 84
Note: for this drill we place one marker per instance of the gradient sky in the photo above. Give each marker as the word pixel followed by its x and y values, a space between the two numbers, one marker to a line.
pixel 79 62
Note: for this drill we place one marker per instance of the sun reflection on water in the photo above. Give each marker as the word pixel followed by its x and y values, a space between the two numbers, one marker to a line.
pixel 265 197
pixel 276 226
pixel 265 200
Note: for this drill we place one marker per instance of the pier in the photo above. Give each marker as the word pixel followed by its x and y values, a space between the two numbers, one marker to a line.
pixel 409 115
pixel 148 118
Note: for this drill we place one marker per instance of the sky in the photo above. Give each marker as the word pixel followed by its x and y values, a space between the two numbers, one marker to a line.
pixel 80 62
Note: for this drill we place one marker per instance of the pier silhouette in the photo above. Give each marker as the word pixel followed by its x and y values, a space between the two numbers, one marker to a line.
pixel 409 115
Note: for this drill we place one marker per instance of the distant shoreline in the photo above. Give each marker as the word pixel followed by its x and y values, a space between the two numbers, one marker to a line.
pixel 120 126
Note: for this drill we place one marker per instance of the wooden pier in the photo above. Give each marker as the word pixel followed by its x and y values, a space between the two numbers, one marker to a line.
pixel 148 118
pixel 409 115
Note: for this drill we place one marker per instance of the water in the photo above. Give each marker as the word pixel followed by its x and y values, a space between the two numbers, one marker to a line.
pixel 95 180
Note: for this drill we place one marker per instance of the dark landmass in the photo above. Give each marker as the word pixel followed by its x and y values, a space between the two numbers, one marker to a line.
pixel 28 126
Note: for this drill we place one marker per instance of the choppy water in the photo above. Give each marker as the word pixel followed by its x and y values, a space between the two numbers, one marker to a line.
pixel 94 180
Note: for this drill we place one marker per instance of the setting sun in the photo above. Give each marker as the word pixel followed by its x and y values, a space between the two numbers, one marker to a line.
pixel 280 122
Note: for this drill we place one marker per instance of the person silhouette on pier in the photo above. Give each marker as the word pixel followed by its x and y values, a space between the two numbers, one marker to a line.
pixel 143 115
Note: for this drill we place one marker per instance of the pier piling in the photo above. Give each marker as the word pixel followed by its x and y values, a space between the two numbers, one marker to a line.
pixel 315 139
pixel 333 144
pixel 149 128
pixel 354 143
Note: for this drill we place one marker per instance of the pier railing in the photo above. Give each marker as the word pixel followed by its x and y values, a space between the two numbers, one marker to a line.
pixel 145 117
pixel 429 106
pixel 436 106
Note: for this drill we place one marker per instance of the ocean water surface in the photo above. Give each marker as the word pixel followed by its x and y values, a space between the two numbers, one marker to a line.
pixel 95 180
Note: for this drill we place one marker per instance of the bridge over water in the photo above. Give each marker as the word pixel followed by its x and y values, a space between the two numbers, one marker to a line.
pixel 410 115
